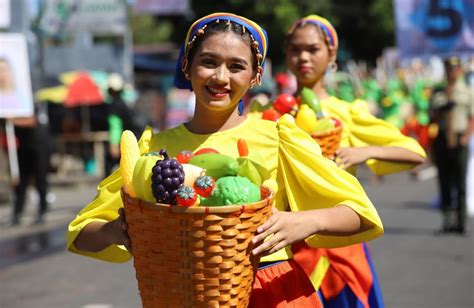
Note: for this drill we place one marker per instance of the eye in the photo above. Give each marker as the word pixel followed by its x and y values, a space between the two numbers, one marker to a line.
pixel 236 67
pixel 294 49
pixel 313 50
pixel 207 62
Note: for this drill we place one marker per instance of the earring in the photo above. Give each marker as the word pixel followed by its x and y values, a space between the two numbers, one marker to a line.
pixel 333 66
pixel 240 108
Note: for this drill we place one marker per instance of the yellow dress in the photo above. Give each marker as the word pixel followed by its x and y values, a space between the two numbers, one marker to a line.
pixel 361 128
pixel 302 178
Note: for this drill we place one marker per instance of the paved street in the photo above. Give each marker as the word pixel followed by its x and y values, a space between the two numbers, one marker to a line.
pixel 416 267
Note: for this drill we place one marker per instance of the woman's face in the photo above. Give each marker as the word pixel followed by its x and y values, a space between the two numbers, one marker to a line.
pixel 221 71
pixel 308 56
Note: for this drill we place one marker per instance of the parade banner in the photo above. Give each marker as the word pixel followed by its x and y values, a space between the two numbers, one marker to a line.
pixel 16 99
pixel 434 27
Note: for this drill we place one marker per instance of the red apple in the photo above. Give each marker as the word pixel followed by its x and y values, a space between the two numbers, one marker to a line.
pixel 184 156
pixel 284 103
pixel 205 150
pixel 271 115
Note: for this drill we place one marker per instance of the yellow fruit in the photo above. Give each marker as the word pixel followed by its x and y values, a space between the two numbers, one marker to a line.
pixel 142 176
pixel 144 142
pixel 306 119
pixel 324 124
pixel 130 154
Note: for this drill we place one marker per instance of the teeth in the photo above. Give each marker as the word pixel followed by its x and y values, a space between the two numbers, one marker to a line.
pixel 217 91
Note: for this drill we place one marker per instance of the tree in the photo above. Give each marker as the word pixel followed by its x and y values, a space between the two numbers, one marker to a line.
pixel 364 27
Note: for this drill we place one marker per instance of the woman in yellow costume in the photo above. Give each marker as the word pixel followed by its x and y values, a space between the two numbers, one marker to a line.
pixel 223 56
pixel 345 277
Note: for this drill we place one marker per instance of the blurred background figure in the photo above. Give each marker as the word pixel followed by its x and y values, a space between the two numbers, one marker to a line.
pixel 33 160
pixel 120 117
pixel 453 110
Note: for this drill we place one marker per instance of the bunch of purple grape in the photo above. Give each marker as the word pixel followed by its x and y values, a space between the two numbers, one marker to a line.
pixel 167 176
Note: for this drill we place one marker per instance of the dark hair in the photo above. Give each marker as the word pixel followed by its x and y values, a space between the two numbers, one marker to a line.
pixel 321 32
pixel 219 26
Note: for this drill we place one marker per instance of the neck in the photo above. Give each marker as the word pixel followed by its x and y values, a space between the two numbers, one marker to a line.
pixel 317 87
pixel 202 123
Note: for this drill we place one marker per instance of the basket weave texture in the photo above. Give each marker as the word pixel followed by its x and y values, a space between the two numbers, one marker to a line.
pixel 196 256
pixel 328 140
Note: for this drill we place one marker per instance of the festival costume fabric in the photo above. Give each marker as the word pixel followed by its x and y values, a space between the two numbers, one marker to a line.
pixel 296 165
pixel 346 277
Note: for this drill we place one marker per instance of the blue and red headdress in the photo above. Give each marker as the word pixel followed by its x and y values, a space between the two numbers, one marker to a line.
pixel 322 23
pixel 257 34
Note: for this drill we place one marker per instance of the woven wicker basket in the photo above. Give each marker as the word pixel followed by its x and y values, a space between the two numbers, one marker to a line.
pixel 329 140
pixel 196 256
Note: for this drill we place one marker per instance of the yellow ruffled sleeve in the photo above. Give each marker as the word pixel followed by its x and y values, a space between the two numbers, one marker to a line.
pixel 311 181
pixel 105 207
pixel 368 130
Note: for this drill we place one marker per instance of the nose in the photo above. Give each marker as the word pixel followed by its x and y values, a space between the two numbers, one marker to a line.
pixel 221 74
pixel 304 56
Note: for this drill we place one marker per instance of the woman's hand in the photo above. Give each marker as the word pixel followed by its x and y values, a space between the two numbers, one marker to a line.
pixel 284 228
pixel 98 235
pixel 348 157
pixel 115 231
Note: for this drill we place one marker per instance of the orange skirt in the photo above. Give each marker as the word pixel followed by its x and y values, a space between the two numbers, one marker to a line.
pixel 283 284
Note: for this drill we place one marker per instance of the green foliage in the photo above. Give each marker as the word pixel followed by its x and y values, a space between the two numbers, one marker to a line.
pixel 146 30
pixel 364 27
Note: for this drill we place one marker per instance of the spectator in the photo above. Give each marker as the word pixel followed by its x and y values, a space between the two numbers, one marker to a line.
pixel 453 111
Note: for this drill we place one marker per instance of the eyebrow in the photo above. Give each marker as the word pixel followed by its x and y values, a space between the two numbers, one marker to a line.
pixel 306 45
pixel 214 55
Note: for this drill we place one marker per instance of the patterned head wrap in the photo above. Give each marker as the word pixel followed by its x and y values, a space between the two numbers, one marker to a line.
pixel 321 22
pixel 257 34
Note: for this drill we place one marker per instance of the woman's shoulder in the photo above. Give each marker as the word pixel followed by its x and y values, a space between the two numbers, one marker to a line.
pixel 337 102
pixel 171 135
pixel 262 126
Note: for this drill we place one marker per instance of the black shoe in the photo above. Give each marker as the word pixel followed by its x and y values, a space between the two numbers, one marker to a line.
pixel 445 230
pixel 461 230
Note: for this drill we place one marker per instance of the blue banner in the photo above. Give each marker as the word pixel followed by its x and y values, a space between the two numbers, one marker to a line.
pixel 434 27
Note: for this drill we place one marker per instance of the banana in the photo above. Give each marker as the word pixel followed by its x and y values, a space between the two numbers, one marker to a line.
pixel 130 154
pixel 247 169
pixel 257 163
pixel 142 176
pixel 216 165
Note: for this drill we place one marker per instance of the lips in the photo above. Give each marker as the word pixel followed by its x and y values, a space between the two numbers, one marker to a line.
pixel 217 91
pixel 305 69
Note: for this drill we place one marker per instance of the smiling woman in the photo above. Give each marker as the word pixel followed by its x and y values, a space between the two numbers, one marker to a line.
pixel 222 57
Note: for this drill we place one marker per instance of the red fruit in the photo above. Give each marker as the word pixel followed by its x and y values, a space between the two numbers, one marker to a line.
pixel 186 196
pixel 242 147
pixel 336 122
pixel 284 103
pixel 184 156
pixel 205 150
pixel 204 185
pixel 271 115
pixel 298 101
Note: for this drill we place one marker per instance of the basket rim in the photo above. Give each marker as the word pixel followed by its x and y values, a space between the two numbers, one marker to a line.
pixel 202 209
pixel 333 131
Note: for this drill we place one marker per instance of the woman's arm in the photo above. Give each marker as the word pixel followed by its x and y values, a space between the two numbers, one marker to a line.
pixel 286 228
pixel 98 235
pixel 347 157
